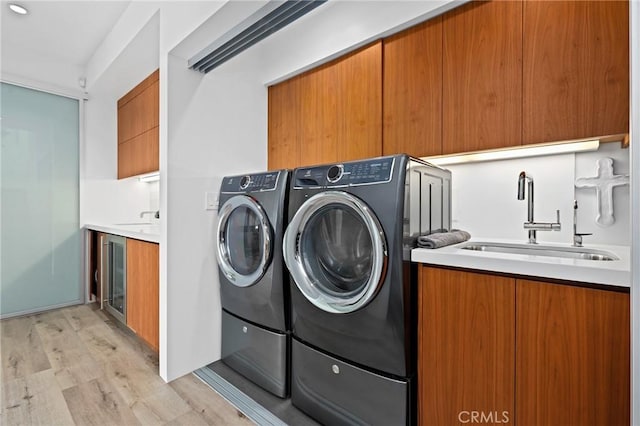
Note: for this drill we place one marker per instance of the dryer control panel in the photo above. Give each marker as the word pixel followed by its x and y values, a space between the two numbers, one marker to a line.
pixel 257 182
pixel 353 173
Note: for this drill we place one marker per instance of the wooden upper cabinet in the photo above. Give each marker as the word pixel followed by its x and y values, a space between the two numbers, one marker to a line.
pixel 318 96
pixel 143 291
pixel 466 346
pixel 284 122
pixel 138 125
pixel 359 104
pixel 482 76
pixel 331 113
pixel 573 355
pixel 576 69
pixel 412 91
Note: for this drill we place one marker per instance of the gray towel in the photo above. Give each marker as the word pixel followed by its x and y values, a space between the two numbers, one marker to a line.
pixel 442 239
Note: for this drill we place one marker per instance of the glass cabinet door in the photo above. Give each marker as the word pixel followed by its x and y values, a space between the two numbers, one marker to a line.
pixel 117 277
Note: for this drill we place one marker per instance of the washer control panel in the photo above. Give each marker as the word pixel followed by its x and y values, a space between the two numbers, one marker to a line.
pixel 363 172
pixel 250 183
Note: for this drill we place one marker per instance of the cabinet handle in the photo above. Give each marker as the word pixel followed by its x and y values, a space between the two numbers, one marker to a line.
pixel 102 271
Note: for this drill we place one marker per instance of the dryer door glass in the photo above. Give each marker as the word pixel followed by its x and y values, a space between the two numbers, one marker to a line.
pixel 336 252
pixel 244 241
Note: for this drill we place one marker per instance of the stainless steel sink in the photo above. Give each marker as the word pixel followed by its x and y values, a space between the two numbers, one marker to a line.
pixel 537 250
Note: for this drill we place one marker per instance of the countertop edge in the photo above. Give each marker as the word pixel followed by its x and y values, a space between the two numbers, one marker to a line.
pixel 615 274
pixel 129 233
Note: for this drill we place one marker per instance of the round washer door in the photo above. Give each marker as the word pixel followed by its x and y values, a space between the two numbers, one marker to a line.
pixel 244 240
pixel 336 251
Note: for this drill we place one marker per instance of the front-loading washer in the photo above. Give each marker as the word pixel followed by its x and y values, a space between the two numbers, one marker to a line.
pixel 254 287
pixel 353 288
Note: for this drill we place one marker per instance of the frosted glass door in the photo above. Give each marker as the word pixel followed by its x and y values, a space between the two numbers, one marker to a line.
pixel 39 235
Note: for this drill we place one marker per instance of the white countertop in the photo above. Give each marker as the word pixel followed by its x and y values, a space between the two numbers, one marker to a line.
pixel 613 272
pixel 140 231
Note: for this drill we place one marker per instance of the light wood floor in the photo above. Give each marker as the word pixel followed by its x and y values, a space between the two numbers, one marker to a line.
pixel 76 366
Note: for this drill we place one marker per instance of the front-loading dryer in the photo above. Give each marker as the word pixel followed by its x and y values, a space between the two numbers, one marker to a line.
pixel 253 280
pixel 353 289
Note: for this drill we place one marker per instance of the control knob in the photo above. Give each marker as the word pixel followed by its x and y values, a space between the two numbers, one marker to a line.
pixel 334 173
pixel 245 181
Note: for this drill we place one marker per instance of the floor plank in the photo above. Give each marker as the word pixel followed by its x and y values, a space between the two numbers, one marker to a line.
pixel 218 412
pixel 34 400
pixel 82 316
pixel 98 403
pixel 161 406
pixel 21 350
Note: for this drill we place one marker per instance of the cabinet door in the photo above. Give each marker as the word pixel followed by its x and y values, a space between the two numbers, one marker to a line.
pixel 572 355
pixel 576 69
pixel 139 155
pixel 466 346
pixel 359 112
pixel 284 125
pixel 482 76
pixel 412 91
pixel 142 290
pixel 138 121
pixel 331 113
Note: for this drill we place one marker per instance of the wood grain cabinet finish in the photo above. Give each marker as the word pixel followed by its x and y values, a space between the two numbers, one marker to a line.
pixel 138 121
pixel 412 91
pixel 331 113
pixel 466 346
pixel 284 132
pixel 482 76
pixel 576 69
pixel 521 352
pixel 486 75
pixel 572 365
pixel 143 271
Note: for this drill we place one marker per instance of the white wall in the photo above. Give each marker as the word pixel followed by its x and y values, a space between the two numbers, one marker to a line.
pixel 485 203
pixel 208 138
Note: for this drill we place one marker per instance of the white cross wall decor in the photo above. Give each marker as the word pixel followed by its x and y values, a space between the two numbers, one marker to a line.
pixel 604 182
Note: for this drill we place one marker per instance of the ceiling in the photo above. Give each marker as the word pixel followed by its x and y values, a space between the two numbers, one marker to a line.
pixel 60 31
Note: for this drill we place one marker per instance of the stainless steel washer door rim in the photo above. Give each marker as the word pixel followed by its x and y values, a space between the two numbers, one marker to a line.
pixel 313 288
pixel 225 262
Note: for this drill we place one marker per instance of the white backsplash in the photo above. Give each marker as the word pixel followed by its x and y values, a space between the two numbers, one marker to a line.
pixel 110 201
pixel 484 197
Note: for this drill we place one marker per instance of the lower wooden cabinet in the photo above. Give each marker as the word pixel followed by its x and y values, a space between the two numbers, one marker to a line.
pixel 572 363
pixel 495 349
pixel 142 290
pixel 466 343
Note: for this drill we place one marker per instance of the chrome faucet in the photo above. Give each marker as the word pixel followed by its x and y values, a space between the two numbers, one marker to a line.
pixel 155 213
pixel 577 237
pixel 530 224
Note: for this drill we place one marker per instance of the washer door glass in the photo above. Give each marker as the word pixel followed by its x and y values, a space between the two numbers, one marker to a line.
pixel 336 252
pixel 244 241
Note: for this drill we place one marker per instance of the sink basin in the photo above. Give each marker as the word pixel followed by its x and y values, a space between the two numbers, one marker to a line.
pixel 536 250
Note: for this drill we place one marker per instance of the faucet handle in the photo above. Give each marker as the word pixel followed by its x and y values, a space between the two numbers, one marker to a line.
pixel 577 239
pixel 577 236
pixel 558 216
